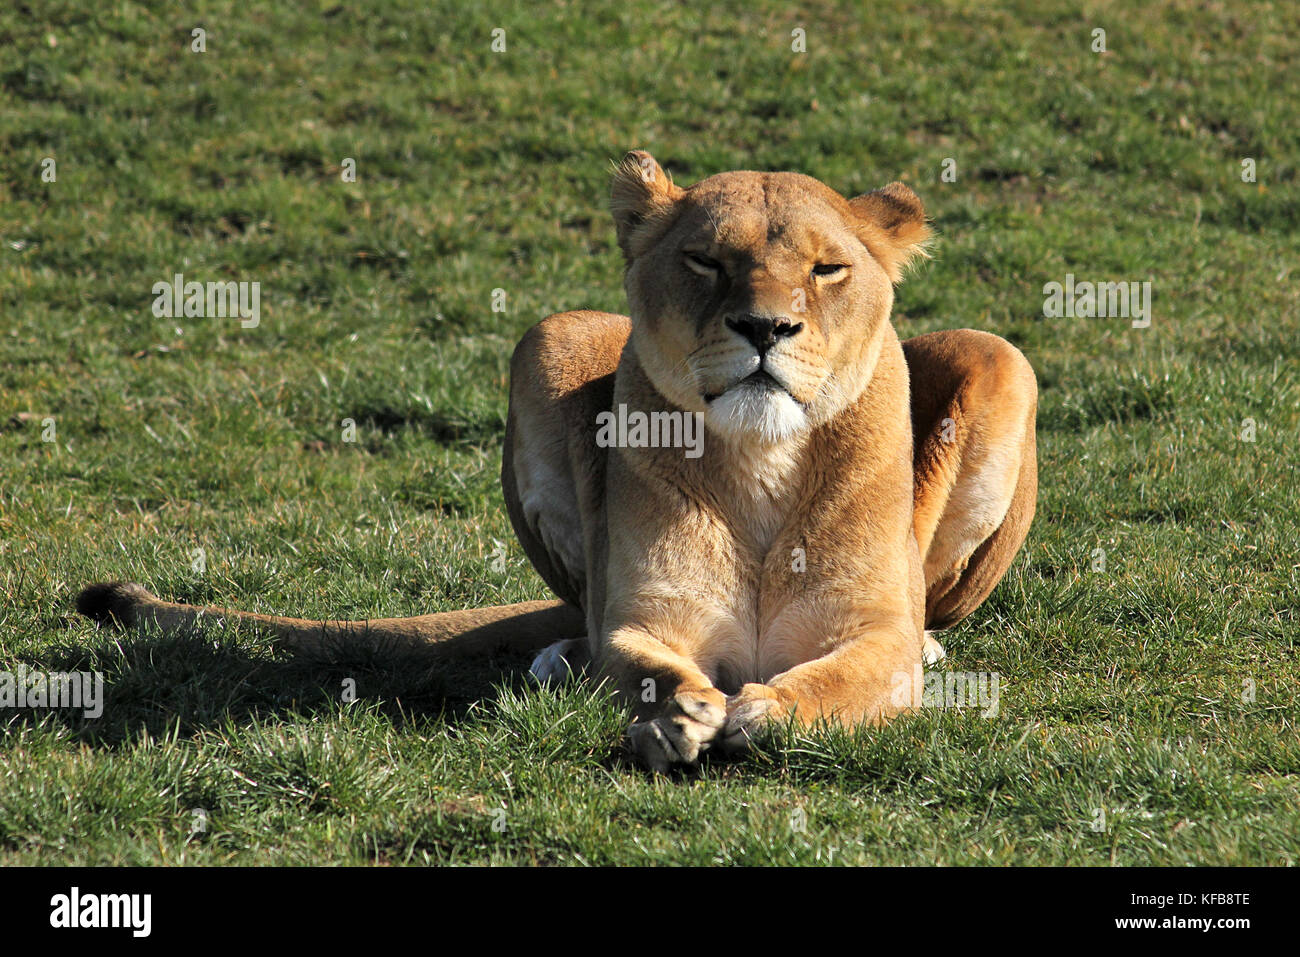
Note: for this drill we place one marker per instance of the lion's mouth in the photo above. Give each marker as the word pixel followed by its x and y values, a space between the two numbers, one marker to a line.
pixel 759 379
pixel 763 377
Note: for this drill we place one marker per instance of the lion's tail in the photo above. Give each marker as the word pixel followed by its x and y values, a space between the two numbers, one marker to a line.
pixel 526 626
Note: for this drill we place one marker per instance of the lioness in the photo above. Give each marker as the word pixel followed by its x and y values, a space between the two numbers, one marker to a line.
pixel 852 493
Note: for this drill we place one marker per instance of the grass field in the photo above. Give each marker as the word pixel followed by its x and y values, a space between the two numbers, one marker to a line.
pixel 1148 711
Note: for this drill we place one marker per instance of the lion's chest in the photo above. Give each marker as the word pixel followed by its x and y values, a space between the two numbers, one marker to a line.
pixel 766 547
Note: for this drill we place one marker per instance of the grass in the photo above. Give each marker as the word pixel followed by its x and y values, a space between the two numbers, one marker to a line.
pixel 1123 689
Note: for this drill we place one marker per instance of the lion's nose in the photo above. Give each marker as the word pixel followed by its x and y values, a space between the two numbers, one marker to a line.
pixel 763 331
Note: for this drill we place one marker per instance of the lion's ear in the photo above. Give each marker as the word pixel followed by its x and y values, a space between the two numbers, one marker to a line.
pixel 641 192
pixel 891 224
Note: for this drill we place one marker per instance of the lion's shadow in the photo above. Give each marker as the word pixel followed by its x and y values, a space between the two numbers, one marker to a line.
pixel 211 679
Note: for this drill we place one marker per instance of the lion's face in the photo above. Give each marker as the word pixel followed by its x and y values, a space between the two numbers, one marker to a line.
pixel 756 297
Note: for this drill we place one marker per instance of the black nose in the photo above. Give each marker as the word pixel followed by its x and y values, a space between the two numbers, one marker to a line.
pixel 763 331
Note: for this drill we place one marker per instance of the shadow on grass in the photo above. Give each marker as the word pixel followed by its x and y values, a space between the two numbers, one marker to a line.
pixel 208 679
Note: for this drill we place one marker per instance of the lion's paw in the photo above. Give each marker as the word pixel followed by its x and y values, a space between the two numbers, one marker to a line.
pixel 752 713
pixel 557 663
pixel 687 726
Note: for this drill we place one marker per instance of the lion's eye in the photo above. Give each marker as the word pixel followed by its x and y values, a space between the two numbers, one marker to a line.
pixel 830 270
pixel 702 264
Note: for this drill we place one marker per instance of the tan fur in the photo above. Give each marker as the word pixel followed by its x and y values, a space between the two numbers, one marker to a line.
pixel 857 492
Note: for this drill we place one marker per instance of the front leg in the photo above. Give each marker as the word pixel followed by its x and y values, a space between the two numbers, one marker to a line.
pixel 677 711
pixel 866 679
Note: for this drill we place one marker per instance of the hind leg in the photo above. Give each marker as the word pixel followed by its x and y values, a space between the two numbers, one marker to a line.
pixel 553 473
pixel 974 399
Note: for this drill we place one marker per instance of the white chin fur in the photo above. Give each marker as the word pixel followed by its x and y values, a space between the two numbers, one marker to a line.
pixel 748 413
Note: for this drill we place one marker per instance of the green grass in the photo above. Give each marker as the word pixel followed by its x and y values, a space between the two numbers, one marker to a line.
pixel 1122 690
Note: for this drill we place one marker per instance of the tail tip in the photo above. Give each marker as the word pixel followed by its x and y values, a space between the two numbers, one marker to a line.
pixel 111 603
